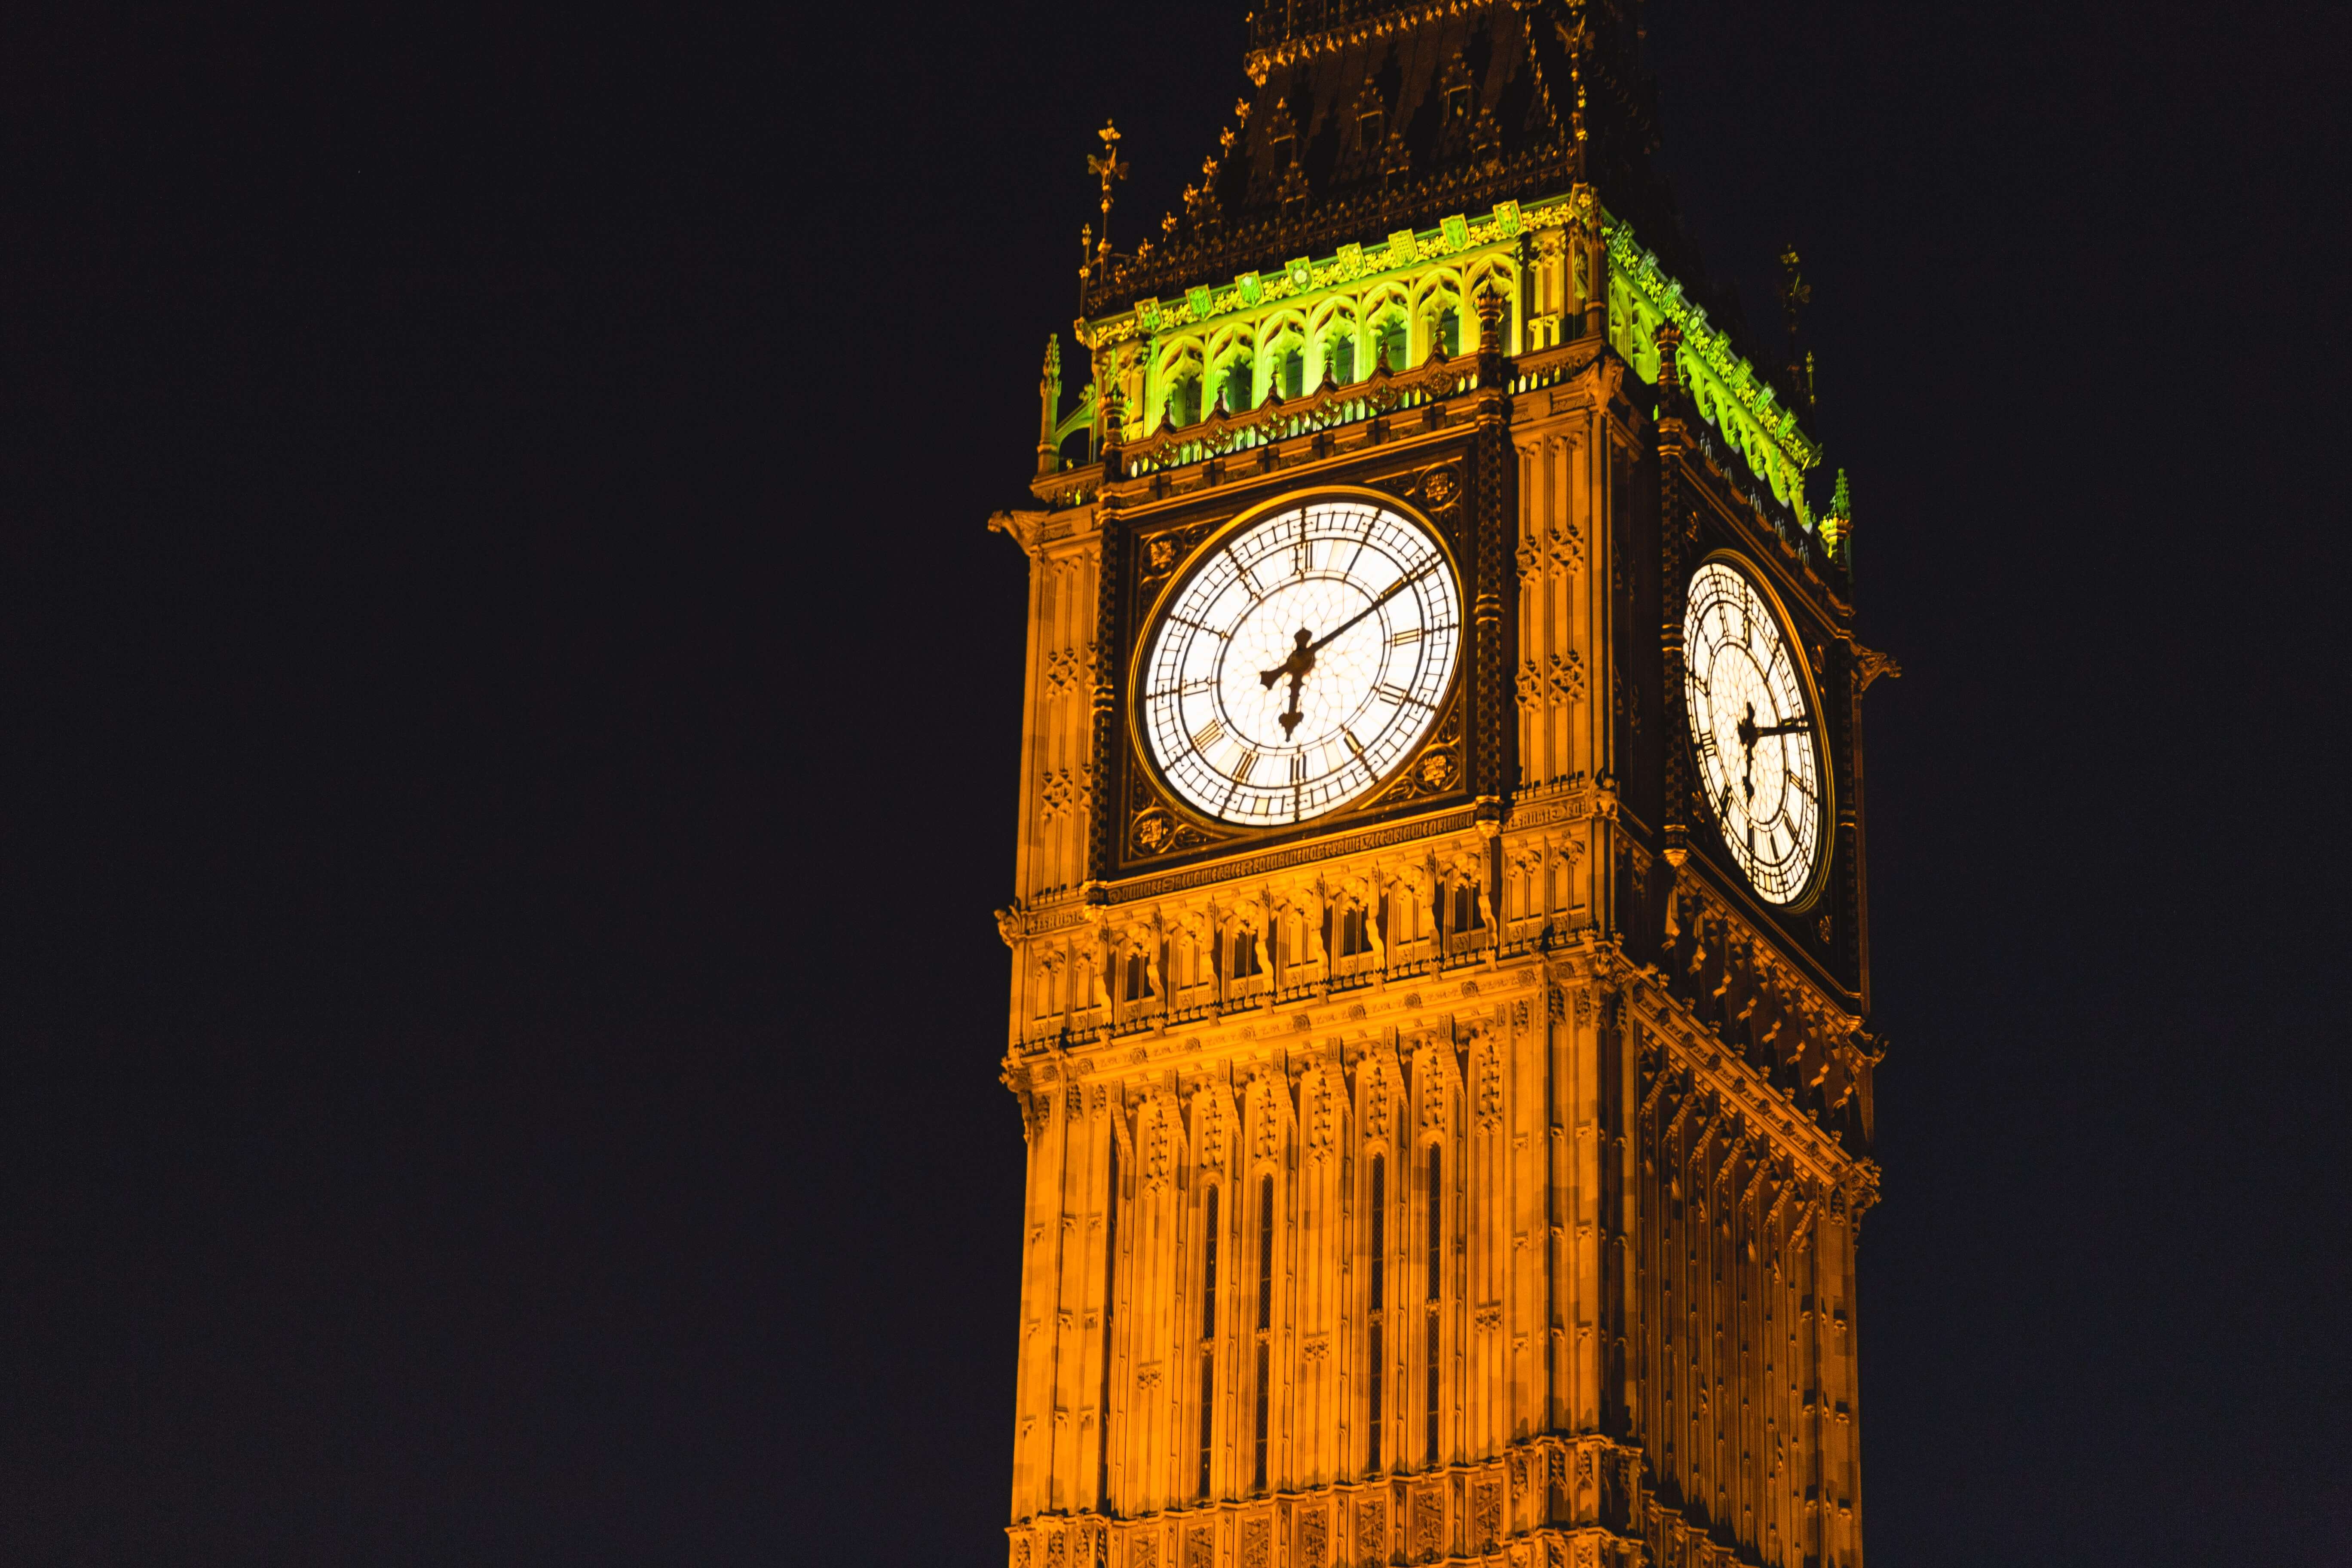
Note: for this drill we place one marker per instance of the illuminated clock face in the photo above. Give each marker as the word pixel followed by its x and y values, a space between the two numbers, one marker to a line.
pixel 1300 662
pixel 1758 750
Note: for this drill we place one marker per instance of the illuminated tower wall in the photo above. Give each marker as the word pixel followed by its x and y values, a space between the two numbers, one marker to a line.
pixel 1472 1171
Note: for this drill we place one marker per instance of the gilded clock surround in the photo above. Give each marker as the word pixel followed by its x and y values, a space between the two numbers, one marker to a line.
pixel 1428 770
pixel 1807 677
pixel 1472 1175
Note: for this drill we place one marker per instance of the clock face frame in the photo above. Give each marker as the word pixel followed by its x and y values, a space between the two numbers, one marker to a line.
pixel 1339 611
pixel 1755 728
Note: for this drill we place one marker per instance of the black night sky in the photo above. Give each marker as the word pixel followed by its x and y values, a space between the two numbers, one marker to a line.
pixel 508 715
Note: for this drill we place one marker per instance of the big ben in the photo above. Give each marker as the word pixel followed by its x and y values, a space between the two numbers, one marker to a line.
pixel 1439 971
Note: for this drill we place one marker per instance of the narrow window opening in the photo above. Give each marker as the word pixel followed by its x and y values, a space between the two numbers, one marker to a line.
pixel 1436 1291
pixel 1237 387
pixel 1110 1316
pixel 1139 978
pixel 1184 401
pixel 1265 1319
pixel 1245 964
pixel 1355 935
pixel 1343 357
pixel 1392 339
pixel 1208 1336
pixel 1375 1288
pixel 1294 373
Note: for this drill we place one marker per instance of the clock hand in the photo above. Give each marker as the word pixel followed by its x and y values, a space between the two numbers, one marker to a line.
pixel 1750 731
pixel 1302 655
pixel 1301 660
pixel 1394 589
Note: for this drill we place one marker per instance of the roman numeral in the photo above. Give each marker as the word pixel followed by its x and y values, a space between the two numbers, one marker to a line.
pixel 1409 634
pixel 1248 766
pixel 1206 735
pixel 1353 744
pixel 1297 767
pixel 1388 693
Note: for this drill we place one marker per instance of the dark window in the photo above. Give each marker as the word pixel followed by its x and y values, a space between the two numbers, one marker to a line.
pixel 1342 347
pixel 1237 387
pixel 1294 373
pixel 1436 1290
pixel 1110 1312
pixel 1355 932
pixel 1244 963
pixel 1139 978
pixel 1264 1317
pixel 1208 1335
pixel 1465 907
pixel 1375 1289
pixel 1393 340
pixel 1184 401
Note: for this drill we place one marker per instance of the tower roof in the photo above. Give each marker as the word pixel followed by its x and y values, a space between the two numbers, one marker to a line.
pixel 1369 116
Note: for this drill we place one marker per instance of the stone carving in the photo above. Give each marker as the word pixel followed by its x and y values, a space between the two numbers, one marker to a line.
pixel 1057 1550
pixel 1314 1539
pixel 1555 678
pixel 1144 1552
pixel 1371 1533
pixel 1486 1515
pixel 1070 669
pixel 1063 791
pixel 1201 1547
pixel 1428 1525
pixel 1254 1535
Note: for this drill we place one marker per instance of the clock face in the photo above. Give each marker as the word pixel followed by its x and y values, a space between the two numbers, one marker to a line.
pixel 1759 752
pixel 1300 661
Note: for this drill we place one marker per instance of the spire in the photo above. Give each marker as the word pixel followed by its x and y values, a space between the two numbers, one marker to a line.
pixel 1837 524
pixel 1049 399
pixel 1369 116
pixel 1109 168
pixel 1795 295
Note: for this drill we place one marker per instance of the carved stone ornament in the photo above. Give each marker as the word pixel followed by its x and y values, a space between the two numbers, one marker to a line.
pixel 1201 1547
pixel 1372 1533
pixel 1552 680
pixel 1428 1523
pixel 1314 1539
pixel 1070 669
pixel 1256 1534
pixel 1486 1515
pixel 1144 1552
pixel 1440 487
pixel 1154 830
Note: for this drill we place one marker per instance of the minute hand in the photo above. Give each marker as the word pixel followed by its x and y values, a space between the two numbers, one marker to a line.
pixel 1797 727
pixel 1394 590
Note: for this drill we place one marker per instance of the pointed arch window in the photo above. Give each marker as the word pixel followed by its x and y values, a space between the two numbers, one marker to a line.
pixel 1265 1322
pixel 1208 1336
pixel 1375 1293
pixel 1185 400
pixel 1434 1334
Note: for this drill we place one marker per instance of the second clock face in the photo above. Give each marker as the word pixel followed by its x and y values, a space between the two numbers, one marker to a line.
pixel 1758 757
pixel 1300 661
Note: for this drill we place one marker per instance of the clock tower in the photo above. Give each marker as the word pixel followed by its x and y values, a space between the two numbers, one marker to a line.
pixel 1439 967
